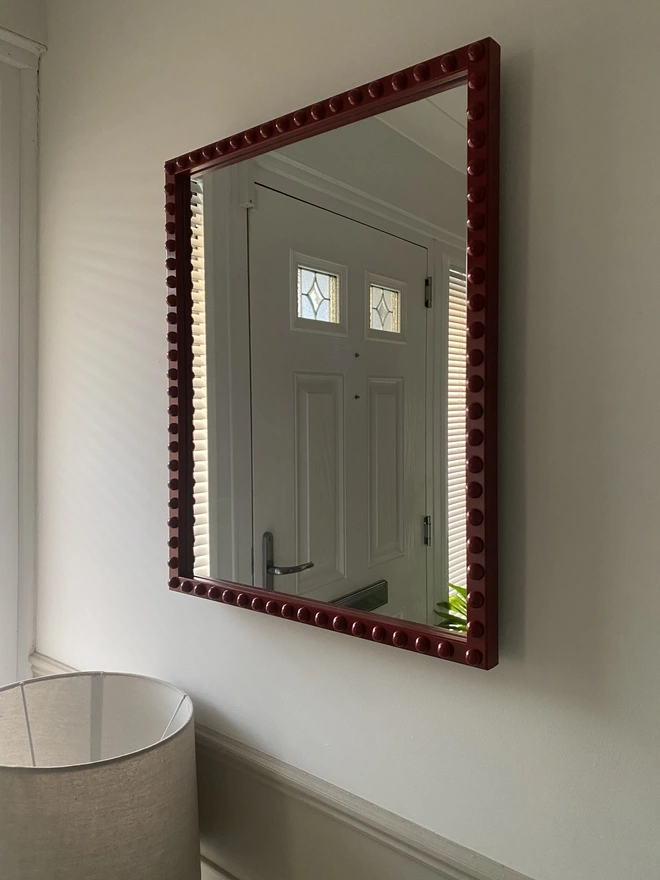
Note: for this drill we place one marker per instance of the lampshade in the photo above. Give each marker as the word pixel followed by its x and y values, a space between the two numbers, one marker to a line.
pixel 97 780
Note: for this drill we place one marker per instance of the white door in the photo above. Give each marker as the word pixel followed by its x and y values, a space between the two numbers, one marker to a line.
pixel 338 357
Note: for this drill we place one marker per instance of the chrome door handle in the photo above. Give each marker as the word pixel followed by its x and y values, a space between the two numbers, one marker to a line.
pixel 289 569
pixel 270 569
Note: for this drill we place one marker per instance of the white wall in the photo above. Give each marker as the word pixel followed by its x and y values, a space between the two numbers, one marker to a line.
pixel 550 762
pixel 24 17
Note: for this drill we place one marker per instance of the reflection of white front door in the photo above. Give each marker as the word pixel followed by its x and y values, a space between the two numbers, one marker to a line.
pixel 338 359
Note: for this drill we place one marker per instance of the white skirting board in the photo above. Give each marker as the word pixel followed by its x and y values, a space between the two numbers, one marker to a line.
pixel 211 872
pixel 262 819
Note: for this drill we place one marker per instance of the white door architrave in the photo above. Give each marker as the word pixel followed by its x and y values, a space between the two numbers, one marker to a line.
pixel 19 61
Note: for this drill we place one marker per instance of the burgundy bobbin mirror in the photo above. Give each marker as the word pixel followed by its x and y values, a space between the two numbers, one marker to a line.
pixel 332 280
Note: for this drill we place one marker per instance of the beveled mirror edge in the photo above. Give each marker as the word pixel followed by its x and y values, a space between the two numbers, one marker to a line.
pixel 478 64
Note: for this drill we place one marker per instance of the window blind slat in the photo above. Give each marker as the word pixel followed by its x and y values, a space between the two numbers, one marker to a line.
pixel 456 377
pixel 201 532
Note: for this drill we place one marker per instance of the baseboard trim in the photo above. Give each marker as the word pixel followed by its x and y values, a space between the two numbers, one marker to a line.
pixel 212 872
pixel 448 859
pixel 43 665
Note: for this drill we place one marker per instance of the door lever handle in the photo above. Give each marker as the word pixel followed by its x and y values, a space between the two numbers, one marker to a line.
pixel 271 570
pixel 289 569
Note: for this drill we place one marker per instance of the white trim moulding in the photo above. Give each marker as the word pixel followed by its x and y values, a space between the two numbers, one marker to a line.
pixel 23 54
pixel 19 51
pixel 212 872
pixel 295 171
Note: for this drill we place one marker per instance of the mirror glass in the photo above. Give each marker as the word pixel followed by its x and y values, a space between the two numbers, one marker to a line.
pixel 329 301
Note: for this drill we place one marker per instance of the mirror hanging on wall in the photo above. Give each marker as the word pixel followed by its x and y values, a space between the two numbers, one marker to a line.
pixel 329 359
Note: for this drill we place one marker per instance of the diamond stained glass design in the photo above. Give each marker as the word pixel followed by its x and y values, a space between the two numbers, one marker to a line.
pixel 318 295
pixel 384 309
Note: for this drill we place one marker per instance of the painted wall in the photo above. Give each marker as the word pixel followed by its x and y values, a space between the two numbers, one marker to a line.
pixel 550 762
pixel 24 17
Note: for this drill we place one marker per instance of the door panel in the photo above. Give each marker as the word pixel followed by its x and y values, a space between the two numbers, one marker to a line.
pixel 385 444
pixel 319 495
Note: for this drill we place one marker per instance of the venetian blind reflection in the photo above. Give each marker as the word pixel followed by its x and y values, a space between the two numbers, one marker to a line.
pixel 201 535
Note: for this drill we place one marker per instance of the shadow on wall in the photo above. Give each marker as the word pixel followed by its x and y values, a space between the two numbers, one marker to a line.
pixel 548 612
pixel 514 225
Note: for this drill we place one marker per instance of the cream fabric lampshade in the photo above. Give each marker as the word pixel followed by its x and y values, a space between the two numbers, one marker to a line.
pixel 97 780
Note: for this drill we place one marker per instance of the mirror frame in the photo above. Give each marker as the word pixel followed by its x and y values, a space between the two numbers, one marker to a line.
pixel 478 65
